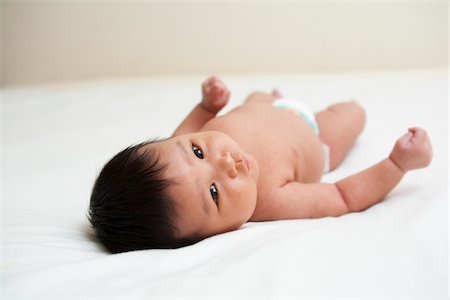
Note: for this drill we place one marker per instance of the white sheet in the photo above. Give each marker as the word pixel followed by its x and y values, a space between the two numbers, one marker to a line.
pixel 56 138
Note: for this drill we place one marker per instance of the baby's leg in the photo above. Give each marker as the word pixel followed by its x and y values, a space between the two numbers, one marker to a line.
pixel 339 125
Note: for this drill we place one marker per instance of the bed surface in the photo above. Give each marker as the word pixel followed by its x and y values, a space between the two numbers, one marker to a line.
pixel 56 138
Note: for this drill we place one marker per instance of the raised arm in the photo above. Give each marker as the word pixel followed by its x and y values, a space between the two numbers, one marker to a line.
pixel 215 96
pixel 356 192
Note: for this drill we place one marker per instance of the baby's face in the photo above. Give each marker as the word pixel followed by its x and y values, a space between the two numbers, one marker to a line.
pixel 215 188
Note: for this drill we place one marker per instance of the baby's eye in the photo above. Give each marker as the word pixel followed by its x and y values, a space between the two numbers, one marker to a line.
pixel 197 151
pixel 214 192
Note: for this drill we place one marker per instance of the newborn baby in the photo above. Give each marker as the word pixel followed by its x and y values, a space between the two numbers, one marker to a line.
pixel 261 161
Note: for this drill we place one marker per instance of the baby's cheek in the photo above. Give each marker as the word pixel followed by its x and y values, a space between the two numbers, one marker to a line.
pixel 243 186
pixel 248 196
pixel 236 193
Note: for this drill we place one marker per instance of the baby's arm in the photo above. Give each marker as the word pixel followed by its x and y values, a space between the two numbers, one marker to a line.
pixel 215 96
pixel 359 191
pixel 411 151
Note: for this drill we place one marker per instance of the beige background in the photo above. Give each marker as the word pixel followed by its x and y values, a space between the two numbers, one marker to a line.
pixel 44 41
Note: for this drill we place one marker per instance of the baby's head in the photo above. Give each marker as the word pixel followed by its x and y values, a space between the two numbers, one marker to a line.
pixel 172 193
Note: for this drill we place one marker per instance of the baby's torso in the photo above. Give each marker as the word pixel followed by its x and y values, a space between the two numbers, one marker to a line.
pixel 284 145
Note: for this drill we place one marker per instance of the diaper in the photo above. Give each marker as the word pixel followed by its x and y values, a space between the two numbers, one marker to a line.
pixel 305 112
pixel 300 109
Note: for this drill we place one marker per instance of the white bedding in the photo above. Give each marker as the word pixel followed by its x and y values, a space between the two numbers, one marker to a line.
pixel 56 138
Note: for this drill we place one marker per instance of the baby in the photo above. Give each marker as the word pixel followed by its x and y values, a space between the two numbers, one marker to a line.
pixel 262 161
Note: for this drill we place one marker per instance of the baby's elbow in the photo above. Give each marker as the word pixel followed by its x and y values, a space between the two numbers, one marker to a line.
pixel 338 206
pixel 346 198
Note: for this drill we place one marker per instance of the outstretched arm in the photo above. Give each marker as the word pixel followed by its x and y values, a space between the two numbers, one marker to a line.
pixel 356 192
pixel 215 96
pixel 412 151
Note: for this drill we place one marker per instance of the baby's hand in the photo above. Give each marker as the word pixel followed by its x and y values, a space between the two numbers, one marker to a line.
pixel 215 94
pixel 413 150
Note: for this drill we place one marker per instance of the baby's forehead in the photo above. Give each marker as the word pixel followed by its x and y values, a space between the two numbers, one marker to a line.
pixel 169 155
pixel 153 155
pixel 154 146
pixel 165 150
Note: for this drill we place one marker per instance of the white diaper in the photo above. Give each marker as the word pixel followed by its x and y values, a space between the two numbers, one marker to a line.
pixel 305 112
pixel 300 109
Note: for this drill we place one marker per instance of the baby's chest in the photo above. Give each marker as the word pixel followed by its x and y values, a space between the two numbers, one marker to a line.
pixel 279 165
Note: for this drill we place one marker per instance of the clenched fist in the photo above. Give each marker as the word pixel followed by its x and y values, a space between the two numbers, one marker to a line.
pixel 215 94
pixel 413 150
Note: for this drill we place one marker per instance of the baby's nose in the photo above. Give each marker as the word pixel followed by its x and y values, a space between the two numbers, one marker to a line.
pixel 227 163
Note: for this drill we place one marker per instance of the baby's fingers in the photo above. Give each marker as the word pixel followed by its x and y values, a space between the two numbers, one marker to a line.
pixel 423 138
pixel 206 85
pixel 419 135
pixel 405 139
pixel 416 131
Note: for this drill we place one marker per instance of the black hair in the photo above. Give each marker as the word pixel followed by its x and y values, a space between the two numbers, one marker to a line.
pixel 129 206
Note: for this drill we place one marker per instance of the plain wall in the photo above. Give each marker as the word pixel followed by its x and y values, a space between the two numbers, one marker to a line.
pixel 51 41
pixel 1 45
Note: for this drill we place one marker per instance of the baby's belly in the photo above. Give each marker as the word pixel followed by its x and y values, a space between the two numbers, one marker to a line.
pixel 301 149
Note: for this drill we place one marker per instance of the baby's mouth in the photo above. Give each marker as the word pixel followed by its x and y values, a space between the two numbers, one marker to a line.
pixel 246 163
pixel 243 160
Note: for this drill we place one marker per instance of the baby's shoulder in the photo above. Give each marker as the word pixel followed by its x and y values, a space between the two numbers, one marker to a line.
pixel 244 114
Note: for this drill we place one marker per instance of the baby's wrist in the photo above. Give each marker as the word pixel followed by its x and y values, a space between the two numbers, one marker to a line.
pixel 208 109
pixel 397 165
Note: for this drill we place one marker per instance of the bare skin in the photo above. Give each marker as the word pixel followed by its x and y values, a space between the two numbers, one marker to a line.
pixel 261 163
